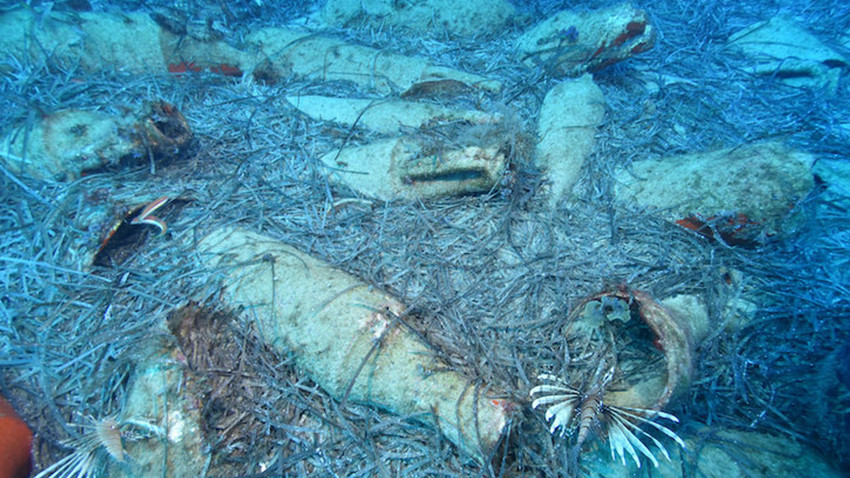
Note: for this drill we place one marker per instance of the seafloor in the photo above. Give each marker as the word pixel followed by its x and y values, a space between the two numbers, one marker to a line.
pixel 491 277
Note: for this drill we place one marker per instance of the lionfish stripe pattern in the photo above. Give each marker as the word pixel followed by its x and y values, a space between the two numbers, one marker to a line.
pixel 622 425
pixel 87 460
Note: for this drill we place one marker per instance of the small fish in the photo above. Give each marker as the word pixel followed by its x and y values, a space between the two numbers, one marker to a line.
pixel 146 215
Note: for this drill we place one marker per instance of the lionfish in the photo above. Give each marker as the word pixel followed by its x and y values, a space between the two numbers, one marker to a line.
pixel 572 409
pixel 88 459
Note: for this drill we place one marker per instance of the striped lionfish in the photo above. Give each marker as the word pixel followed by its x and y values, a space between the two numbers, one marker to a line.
pixel 572 409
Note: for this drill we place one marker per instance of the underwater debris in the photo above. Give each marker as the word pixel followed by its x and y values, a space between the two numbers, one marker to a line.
pixel 578 412
pixel 608 36
pixel 67 145
pixel 747 193
pixel 386 116
pixel 328 58
pixel 348 337
pixel 432 89
pixel 652 354
pixel 569 116
pixel 127 41
pixel 407 168
pixel 781 48
pixel 628 356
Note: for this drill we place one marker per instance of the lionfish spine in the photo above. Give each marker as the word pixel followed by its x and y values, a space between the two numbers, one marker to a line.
pixel 108 433
pixel 622 426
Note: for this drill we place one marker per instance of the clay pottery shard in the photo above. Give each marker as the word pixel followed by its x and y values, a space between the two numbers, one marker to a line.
pixel 642 381
pixel 571 43
pixel 164 129
pixel 742 195
pixel 332 59
pixel 566 129
pixel 68 144
pixel 436 89
pixel 347 336
pixel 402 168
pixel 386 116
